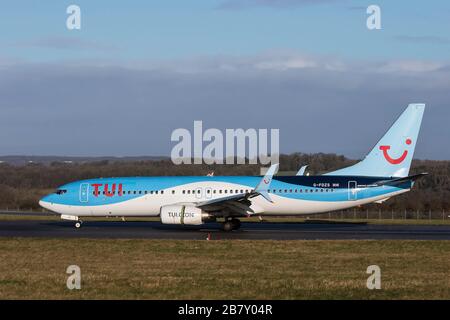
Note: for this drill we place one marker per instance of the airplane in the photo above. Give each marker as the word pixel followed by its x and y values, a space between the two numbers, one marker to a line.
pixel 196 200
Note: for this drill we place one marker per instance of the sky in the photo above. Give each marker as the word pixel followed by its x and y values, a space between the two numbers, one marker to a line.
pixel 138 70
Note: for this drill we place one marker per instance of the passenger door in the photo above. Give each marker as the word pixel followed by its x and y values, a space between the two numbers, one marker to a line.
pixel 352 190
pixel 84 192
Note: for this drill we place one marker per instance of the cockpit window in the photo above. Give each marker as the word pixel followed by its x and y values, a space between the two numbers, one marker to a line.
pixel 61 191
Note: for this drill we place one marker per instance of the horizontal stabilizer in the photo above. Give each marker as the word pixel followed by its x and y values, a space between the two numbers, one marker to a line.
pixel 393 182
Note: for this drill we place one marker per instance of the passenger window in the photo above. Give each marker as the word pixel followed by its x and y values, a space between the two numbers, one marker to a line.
pixel 173 191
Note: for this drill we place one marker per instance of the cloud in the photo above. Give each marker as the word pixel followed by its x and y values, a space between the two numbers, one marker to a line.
pixel 422 39
pixel 320 104
pixel 285 61
pixel 224 63
pixel 410 66
pixel 68 43
pixel 245 4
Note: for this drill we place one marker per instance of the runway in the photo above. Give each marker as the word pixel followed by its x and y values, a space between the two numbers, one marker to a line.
pixel 249 231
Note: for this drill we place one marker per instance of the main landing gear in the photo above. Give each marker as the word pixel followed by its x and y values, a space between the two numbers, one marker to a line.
pixel 231 224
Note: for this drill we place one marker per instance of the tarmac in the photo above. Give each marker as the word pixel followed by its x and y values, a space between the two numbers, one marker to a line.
pixel 311 230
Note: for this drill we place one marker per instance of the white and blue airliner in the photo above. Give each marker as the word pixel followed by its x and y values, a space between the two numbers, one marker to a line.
pixel 195 200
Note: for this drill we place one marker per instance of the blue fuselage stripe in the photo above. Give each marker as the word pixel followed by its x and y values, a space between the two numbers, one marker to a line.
pixel 313 188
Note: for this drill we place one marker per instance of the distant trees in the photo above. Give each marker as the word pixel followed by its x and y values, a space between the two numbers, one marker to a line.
pixel 22 186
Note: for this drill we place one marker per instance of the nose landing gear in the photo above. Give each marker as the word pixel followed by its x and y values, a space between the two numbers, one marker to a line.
pixel 78 224
pixel 232 224
pixel 69 217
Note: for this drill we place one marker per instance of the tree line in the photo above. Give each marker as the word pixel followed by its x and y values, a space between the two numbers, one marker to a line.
pixel 22 186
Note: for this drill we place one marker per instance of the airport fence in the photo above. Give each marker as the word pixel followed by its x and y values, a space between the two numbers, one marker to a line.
pixel 24 211
pixel 368 214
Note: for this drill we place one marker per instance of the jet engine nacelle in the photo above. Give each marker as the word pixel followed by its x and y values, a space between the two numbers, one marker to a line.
pixel 184 214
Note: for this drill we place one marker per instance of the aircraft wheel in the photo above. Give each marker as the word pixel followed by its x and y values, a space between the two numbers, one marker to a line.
pixel 227 226
pixel 78 224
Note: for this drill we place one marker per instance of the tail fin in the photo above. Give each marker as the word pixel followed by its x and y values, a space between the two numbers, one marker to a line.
pixel 392 155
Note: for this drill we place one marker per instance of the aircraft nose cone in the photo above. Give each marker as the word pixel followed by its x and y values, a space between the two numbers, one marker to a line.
pixel 44 203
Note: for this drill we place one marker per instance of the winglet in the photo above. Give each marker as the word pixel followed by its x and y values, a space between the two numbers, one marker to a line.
pixel 301 171
pixel 263 187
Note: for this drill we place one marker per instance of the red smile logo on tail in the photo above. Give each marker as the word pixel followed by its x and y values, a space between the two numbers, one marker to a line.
pixel 397 160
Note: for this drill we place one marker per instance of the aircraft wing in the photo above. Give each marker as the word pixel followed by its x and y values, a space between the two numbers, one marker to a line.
pixel 240 203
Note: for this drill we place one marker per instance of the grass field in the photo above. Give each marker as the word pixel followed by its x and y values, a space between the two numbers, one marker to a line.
pixel 154 269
